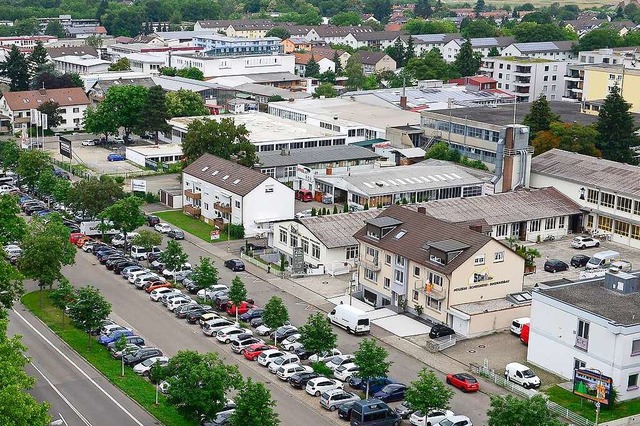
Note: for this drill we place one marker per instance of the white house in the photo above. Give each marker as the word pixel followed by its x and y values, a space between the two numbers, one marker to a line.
pixel 219 191
pixel 481 45
pixel 606 190
pixel 85 64
pixel 72 103
pixel 554 50
pixel 593 324
pixel 327 241
pixel 220 66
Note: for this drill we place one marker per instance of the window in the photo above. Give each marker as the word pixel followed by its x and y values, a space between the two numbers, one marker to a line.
pixel 352 252
pixel 387 259
pixel 561 222
pixel 582 336
pixel 268 189
pixel 590 221
pixel 635 232
pixel 544 88
pixel 386 283
pixel 414 295
pixel 554 87
pixel 400 261
pixel 546 78
pixel 534 226
pixel 546 67
pixel 398 276
pixel 624 204
pixel 501 230
pixel 434 304
pixel 416 271
pixel 632 381
pixel 294 240
pixel 622 228
pixel 636 207
pixel 305 245
pixel 479 260
pixel 498 256
pixel 435 279
pixel 283 236
pixel 550 223
pixel 592 196
pixel 371 252
pixel 370 275
pixel 635 347
pixel 237 204
pixel 76 110
pixel 607 200
pixel 315 250
pixel 605 223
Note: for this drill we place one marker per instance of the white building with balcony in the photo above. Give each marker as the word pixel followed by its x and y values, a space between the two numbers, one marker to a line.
pixel 593 324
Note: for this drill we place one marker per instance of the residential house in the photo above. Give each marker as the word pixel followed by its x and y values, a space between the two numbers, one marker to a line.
pixel 596 82
pixel 481 45
pixel 27 42
pixel 299 43
pixel 426 42
pixel 444 272
pixel 18 105
pixel 589 325
pixel 220 191
pixel 336 34
pixel 86 32
pixel 553 50
pixel 375 62
pixel 373 39
pixel 98 89
pixel 302 59
pixel 250 28
pixel 219 45
pixel 606 190
pixel 56 52
pixel 583 26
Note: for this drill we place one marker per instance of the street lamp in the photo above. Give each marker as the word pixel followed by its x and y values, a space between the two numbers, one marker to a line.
pixel 357 281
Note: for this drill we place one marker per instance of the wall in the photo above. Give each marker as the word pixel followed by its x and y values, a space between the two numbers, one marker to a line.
pixel 597 83
pixel 497 320
pixel 261 207
pixel 234 66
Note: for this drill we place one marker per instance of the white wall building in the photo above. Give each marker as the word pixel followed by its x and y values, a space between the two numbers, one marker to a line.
pixel 219 191
pixel 150 155
pixel 222 66
pixel 552 50
pixel 85 64
pixel 527 78
pixel 146 63
pixel 590 324
pixel 481 45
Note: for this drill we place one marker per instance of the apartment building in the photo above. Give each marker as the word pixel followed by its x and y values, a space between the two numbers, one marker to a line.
pixel 219 45
pixel 597 81
pixel 481 45
pixel 552 50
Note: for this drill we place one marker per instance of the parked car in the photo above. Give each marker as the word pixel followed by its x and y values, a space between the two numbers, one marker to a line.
pixel 284 372
pixel 555 265
pixel 392 392
pixel 242 308
pixel 579 261
pixel 176 234
pixel 345 372
pixel 141 355
pixel 179 301
pixel 300 380
pixel 584 242
pixel 206 317
pixel 455 421
pixel 418 418
pixel 239 346
pixel 115 157
pixel 157 285
pixel 234 264
pixel 113 336
pixel 128 349
pixel 211 327
pixel 158 293
pixel 334 398
pixel 463 381
pixel 316 386
pixel 338 360
pixel 144 368
pixel 130 340
pixel 404 410
pixel 441 330
pixel 152 220
pixel 182 311
pixel 252 313
pixel 162 227
pixel 324 356
pixel 267 356
pixel 285 359
pixel 252 352
pixel 224 335
pixel 344 411
pixel 194 316
pixel 292 344
pixel 376 384
pixel 283 332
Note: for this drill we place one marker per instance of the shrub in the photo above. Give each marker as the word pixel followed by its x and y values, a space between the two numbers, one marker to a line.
pixel 322 369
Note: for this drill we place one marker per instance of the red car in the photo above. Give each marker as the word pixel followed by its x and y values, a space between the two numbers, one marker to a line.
pixel 252 352
pixel 463 381
pixel 242 309
pixel 75 236
pixel 157 284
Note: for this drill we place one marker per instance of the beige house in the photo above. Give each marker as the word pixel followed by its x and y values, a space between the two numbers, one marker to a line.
pixel 375 62
pixel 446 273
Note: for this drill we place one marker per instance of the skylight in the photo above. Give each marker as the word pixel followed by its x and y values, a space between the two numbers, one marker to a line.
pixel 237 181
pixel 215 172
pixel 204 169
pixel 225 177
pixel 400 234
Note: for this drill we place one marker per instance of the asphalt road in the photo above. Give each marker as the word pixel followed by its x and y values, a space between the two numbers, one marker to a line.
pixel 78 394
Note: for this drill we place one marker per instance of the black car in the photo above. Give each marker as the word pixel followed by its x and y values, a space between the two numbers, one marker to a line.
pixel 344 411
pixel 190 285
pixel 234 264
pixel 283 332
pixel 195 315
pixel 555 265
pixel 176 234
pixel 151 257
pixel 251 314
pixel 440 330
pixel 112 262
pixel 300 380
pixel 256 322
pixel 118 267
pixel 153 220
pixel 404 410
pixel 221 302
pixel 141 355
pixel 130 340
pixel 302 353
pixel 579 261
pixel 185 311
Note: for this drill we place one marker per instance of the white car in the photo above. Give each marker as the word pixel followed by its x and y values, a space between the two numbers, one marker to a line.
pixel 208 292
pixel 345 371
pixel 179 301
pixel 269 355
pixel 316 386
pixel 180 274
pixel 435 416
pixel 324 356
pixel 584 242
pixel 456 421
pixel 338 360
pixel 144 367
pixel 288 370
pixel 263 330
pixel 224 335
pixel 89 142
pixel 285 359
pixel 156 294
pixel 303 213
pixel 163 228
pixel 291 343
pixel 211 327
pixel 135 274
pixel 110 328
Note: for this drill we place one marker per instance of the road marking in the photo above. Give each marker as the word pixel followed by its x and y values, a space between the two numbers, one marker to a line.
pixel 55 389
pixel 79 370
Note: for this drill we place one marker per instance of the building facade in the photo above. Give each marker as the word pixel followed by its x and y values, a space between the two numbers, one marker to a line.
pixel 597 81
pixel 221 66
pixel 219 45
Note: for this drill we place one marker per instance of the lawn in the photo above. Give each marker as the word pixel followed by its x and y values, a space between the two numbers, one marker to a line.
pixel 133 385
pixel 586 408
pixel 189 224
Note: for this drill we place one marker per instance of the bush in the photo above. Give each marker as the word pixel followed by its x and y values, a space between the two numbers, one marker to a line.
pixel 150 197
pixel 236 232
pixel 322 369
pixel 119 179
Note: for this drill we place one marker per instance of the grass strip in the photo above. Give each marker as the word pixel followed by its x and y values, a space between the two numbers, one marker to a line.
pixel 586 409
pixel 191 225
pixel 136 387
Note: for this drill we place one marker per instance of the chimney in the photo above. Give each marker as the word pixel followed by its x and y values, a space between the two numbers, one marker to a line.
pixel 43 92
pixel 403 102
pixel 507 179
pixel 422 210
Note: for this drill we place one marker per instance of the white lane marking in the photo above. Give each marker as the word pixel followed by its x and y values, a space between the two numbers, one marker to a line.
pixel 79 370
pixel 55 389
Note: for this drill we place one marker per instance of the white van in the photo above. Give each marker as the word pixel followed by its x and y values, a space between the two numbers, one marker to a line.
pixel 92 227
pixel 602 259
pixel 141 253
pixel 118 240
pixel 518 323
pixel 522 375
pixel 350 318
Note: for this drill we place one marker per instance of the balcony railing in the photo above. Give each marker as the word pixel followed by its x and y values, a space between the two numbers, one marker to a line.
pixel 433 291
pixel 373 265
pixel 222 208
pixel 582 343
pixel 192 210
pixel 193 195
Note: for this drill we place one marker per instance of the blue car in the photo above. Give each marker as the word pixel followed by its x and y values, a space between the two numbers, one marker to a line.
pixel 375 385
pixel 43 213
pixel 105 340
pixel 115 157
pixel 392 392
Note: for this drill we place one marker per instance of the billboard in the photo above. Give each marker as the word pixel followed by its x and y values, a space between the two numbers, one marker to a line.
pixel 138 185
pixel 592 385
pixel 65 147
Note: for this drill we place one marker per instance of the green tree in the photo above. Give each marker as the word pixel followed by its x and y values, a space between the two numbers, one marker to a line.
pixel 198 383
pixel 354 73
pixel 10 284
pixel 467 61
pixel 122 20
pixel 174 256
pixel 428 393
pixel 121 343
pixel 410 52
pixel 478 28
pixel 617 128
pixel 100 120
pixel 125 215
pixel 45 250
pixel 571 137
pixel 9 154
pixel 31 165
pixel 326 77
pixel 55 28
pixel 326 90
pixel 275 313
pixel 479 7
pixel 147 239
pixel 254 401
pixel 493 51
pixel 192 73
pixel 92 196
pixel 371 360
pixel 527 32
pixel 154 113
pixel 429 66
pixel 397 52
pixel 205 275
pixel 63 296
pixel 441 151
pixel 279 32
pixel 121 64
pixel 381 9
pixel 38 59
pixel 94 41
pixel 346 19
pixel 125 103
pixel 53 80
pixel 423 9
pixel 46 183
pixel 16 69
pixel 185 103
pixel 12 224
pixel 60 192
pixel 420 26
pixel 237 293
pixel 317 335
pixel 26 27
pixel 221 138
pixel 312 69
pixel 598 39
pixel 337 62
pixel 540 116
pixel 511 411
pixel 89 309
pixel 52 109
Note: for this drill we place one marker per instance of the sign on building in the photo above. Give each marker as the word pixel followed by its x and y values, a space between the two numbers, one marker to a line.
pixel 138 185
pixel 592 385
pixel 297 264
pixel 65 147
pixel 215 234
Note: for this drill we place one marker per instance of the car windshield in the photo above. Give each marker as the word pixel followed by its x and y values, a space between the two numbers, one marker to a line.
pixel 148 362
pixel 528 374
pixel 446 422
pixel 336 360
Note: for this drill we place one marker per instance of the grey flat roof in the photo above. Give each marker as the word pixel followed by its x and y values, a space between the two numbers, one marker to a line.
pixel 337 230
pixel 274 77
pixel 261 89
pixel 589 171
pixel 447 245
pixel 591 296
pixel 384 221
pixel 323 154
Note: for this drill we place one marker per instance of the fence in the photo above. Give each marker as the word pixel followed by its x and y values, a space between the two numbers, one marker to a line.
pixel 500 380
pixel 440 344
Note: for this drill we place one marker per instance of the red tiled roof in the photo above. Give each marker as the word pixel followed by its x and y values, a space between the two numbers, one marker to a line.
pixel 31 99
